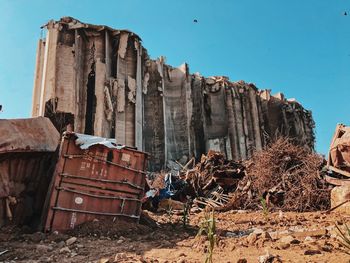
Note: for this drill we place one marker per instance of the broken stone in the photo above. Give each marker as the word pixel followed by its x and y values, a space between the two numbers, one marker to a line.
pixel 258 231
pixel 61 244
pixel 65 250
pixel 268 258
pixel 119 256
pixel 311 252
pixel 36 237
pixel 312 233
pixel 309 239
pixel 71 241
pixel 44 248
pixel 288 240
pixel 252 238
pixel 327 248
pixel 283 245
pixel 266 235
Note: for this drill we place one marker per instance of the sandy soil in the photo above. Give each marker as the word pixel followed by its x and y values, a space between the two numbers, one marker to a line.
pixel 241 235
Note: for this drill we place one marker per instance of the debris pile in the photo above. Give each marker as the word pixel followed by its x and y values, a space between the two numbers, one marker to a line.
pixel 212 171
pixel 285 176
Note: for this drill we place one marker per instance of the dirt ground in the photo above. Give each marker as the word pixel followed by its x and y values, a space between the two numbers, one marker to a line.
pixel 241 235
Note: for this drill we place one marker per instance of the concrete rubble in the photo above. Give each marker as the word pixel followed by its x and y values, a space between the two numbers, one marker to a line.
pixel 339 164
pixel 102 82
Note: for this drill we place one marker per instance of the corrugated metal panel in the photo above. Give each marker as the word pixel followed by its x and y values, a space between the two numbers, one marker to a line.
pixel 99 182
pixel 27 150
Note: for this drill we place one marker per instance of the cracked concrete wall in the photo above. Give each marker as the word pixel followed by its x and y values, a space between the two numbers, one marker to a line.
pixel 100 81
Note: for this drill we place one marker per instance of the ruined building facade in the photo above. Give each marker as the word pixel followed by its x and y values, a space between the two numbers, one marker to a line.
pixel 101 81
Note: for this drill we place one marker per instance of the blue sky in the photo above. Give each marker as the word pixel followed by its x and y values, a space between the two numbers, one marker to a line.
pixel 300 48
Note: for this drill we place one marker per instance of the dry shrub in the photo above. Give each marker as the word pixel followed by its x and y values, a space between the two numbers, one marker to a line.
pixel 288 177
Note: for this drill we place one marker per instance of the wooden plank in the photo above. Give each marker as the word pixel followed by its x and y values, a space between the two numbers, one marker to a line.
pixel 337 181
pixel 332 168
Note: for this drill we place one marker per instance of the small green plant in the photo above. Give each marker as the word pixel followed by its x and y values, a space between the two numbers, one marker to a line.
pixel 186 214
pixel 345 238
pixel 208 226
pixel 265 209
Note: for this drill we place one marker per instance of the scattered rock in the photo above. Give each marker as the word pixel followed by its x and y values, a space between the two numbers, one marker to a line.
pixel 311 233
pixel 280 215
pixel 44 248
pixel 252 238
pixel 260 243
pixel 36 237
pixel 120 241
pixel 119 256
pixel 311 252
pixel 283 245
pixel 65 250
pixel 242 260
pixel 266 235
pixel 273 235
pixel 269 258
pixel 131 247
pixel 61 244
pixel 287 239
pixel 71 241
pixel 327 248
pixel 104 260
pixel 309 239
pixel 258 231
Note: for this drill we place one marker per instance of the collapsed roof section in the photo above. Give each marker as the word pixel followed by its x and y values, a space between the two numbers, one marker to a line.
pixel 102 82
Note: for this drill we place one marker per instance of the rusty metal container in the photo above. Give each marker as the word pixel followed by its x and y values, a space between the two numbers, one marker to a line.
pixel 95 179
pixel 27 162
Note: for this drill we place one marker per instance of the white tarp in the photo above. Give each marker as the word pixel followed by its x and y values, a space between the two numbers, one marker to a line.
pixel 86 141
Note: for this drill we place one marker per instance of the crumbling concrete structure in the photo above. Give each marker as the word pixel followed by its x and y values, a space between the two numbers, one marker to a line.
pixel 102 82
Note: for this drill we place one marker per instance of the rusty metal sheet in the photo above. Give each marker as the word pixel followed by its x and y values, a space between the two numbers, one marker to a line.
pixel 97 182
pixel 28 135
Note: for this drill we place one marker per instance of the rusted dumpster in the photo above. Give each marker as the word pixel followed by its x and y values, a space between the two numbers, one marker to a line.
pixel 27 162
pixel 95 179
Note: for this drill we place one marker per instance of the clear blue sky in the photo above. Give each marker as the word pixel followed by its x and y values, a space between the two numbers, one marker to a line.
pixel 298 47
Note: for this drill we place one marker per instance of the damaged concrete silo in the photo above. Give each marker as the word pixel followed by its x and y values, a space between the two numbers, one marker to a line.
pixel 101 81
